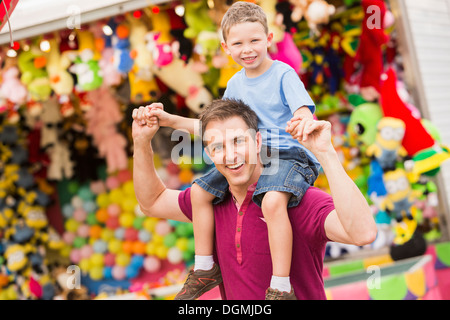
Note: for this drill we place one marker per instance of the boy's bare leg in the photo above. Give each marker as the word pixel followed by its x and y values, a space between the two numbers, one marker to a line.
pixel 274 208
pixel 203 223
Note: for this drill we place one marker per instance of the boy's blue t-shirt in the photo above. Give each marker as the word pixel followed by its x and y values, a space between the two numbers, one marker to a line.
pixel 274 96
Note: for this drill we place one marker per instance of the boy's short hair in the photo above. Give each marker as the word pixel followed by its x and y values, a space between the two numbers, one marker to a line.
pixel 241 12
pixel 223 109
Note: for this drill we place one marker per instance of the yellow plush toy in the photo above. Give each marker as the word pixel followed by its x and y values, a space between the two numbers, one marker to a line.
pixel 388 143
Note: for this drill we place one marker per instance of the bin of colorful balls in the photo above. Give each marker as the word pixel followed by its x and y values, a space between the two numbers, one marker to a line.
pixel 109 238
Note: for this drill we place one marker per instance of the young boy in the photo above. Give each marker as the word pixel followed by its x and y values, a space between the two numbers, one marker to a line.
pixel 275 92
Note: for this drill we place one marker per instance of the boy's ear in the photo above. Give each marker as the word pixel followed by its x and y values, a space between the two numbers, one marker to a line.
pixel 225 47
pixel 269 39
pixel 258 141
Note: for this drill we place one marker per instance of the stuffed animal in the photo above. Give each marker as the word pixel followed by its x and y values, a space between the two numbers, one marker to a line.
pixel 85 66
pixel 400 196
pixel 60 164
pixel 61 80
pixel 34 76
pixel 197 18
pixel 388 143
pixel 11 87
pixel 102 119
pixel 269 7
pixel 370 53
pixel 317 13
pixel 189 84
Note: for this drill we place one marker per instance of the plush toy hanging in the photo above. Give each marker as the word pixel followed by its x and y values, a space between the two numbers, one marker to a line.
pixel 197 18
pixel 369 53
pixel 388 148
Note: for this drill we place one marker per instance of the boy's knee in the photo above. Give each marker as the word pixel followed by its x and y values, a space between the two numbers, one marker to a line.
pixel 274 203
pixel 201 194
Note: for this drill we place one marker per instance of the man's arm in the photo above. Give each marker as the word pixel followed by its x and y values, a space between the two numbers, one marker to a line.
pixel 352 221
pixel 152 195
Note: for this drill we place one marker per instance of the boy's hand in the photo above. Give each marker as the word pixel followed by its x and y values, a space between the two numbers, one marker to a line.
pixel 316 135
pixel 296 127
pixel 155 115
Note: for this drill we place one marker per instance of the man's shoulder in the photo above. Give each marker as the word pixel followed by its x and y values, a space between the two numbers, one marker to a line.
pixel 314 197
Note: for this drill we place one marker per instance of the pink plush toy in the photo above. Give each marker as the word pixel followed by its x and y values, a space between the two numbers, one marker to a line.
pixel 102 119
pixel 288 52
pixel 12 89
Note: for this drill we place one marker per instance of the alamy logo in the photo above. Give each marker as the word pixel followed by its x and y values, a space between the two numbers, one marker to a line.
pixel 374 20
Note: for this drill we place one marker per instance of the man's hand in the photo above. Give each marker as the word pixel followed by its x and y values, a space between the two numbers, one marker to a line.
pixel 141 131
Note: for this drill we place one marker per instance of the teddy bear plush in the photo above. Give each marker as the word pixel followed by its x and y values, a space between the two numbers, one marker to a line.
pixel 11 87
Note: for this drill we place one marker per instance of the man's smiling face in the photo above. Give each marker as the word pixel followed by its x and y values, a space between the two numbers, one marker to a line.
pixel 234 149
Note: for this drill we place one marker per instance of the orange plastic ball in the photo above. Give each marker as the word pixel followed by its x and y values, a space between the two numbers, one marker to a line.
pixel 102 215
pixel 95 231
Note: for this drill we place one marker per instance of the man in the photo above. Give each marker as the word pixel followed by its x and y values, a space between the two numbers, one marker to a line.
pixel 234 145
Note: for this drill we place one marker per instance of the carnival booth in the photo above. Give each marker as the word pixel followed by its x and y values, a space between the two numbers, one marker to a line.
pixel 70 225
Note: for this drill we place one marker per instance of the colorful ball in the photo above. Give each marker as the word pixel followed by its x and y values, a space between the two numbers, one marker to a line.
pixel 76 202
pixel 83 231
pixel 124 175
pixel 119 233
pixel 174 255
pixel 85 265
pixel 123 259
pixel 137 260
pixel 98 187
pixel 152 264
pixel 126 219
pixel 114 210
pixel 71 225
pixel 112 182
pixel 107 234
pixel 144 235
pixel 115 246
pixel 97 259
pixel 163 227
pixel 118 272
pixel 182 243
pixel 129 203
pixel 112 223
pixel 75 255
pixel 109 259
pixel 100 246
pixel 131 272
pixel 107 272
pixel 172 168
pixel 138 222
pixel 90 206
pixel 150 248
pixel 103 200
pixel 67 210
pixel 116 196
pixel 131 234
pixel 161 252
pixel 91 219
pixel 79 242
pixel 139 247
pixel 85 193
pixel 95 231
pixel 68 237
pixel 170 240
pixel 102 215
pixel 150 223
pixel 128 188
pixel 185 176
pixel 86 251
pixel 127 246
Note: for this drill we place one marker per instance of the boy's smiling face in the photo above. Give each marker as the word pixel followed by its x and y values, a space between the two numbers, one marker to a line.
pixel 247 44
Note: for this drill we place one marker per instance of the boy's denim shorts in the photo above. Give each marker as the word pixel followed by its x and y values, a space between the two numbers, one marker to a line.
pixel 288 171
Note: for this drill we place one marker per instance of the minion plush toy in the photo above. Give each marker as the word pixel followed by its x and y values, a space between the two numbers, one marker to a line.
pixel 400 196
pixel 388 143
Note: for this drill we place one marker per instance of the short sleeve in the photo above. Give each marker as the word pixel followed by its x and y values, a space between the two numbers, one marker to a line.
pixel 184 201
pixel 294 92
pixel 311 214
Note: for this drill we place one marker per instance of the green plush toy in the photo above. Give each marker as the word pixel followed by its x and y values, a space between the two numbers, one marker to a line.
pixel 197 18
pixel 34 75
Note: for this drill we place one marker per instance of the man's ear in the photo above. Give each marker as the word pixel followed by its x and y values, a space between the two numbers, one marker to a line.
pixel 258 138
pixel 225 47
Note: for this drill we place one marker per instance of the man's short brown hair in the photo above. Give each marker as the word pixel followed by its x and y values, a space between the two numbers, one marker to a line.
pixel 223 109
pixel 241 12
